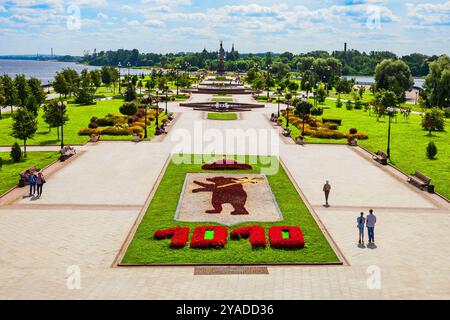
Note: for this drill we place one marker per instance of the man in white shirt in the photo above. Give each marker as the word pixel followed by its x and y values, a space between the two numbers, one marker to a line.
pixel 371 220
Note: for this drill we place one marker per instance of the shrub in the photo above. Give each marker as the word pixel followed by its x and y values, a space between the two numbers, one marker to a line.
pixel 447 112
pixel 431 150
pixel 116 131
pixel 88 131
pixel 358 105
pixel 128 109
pixel 339 103
pixel 433 120
pixel 1 163
pixel 136 129
pixel 359 136
pixel 316 111
pixel 349 105
pixel 16 153
pixel 353 131
pixel 93 125
pixel 337 121
pixel 328 134
pixel 331 126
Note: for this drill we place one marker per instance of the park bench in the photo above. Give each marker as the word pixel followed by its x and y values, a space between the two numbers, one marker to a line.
pixel 380 157
pixel 23 176
pixel 420 180
pixel 66 153
pixel 287 132
pixel 95 137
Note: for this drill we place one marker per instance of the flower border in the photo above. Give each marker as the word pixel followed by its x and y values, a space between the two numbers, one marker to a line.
pixel 255 234
pixel 296 240
pixel 198 240
pixel 179 236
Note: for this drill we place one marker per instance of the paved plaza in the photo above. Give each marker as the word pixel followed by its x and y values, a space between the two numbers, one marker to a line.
pixel 91 204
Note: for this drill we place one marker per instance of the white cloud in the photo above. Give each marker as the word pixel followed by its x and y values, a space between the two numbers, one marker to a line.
pixel 429 13
pixel 103 16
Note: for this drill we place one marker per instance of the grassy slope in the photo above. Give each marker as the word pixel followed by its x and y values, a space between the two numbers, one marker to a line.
pixel 408 142
pixel 161 212
pixel 9 174
pixel 222 116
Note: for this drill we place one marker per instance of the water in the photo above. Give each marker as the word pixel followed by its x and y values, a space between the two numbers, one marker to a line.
pixel 46 70
pixel 418 82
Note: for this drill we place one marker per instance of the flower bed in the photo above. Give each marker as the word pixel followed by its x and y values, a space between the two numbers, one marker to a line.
pixel 226 164
pixel 255 234
pixel 179 236
pixel 199 241
pixel 295 240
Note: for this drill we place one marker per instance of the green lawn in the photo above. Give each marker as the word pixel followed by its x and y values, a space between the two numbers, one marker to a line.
pixel 408 142
pixel 222 116
pixel 222 99
pixel 160 215
pixel 79 117
pixel 9 173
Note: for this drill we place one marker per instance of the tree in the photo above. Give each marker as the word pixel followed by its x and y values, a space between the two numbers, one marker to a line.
pixel 72 79
pixel 437 83
pixel 53 116
pixel 2 97
pixel 36 90
pixel 280 70
pixel 321 93
pixel 130 94
pixel 342 85
pixel 16 153
pixel 96 78
pixel 86 91
pixel 384 99
pixel 31 105
pixel 394 75
pixel 23 91
pixel 9 91
pixel 431 150
pixel 433 120
pixel 60 84
pixel 107 75
pixel 24 126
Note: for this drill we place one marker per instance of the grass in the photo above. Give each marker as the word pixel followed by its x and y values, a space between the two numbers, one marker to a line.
pixel 160 215
pixel 408 142
pixel 222 99
pixel 9 173
pixel 79 117
pixel 222 116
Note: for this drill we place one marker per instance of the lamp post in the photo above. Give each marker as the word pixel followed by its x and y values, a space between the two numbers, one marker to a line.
pixel 157 109
pixel 177 66
pixel 166 89
pixel 267 81
pixel 279 98
pixel 62 108
pixel 128 67
pixel 390 112
pixel 119 66
pixel 304 102
pixel 287 114
pixel 146 101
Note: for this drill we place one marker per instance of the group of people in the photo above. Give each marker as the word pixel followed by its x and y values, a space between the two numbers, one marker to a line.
pixel 36 182
pixel 369 221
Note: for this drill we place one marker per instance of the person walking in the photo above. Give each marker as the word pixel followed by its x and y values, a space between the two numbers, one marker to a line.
pixel 40 180
pixel 371 220
pixel 32 182
pixel 361 220
pixel 326 190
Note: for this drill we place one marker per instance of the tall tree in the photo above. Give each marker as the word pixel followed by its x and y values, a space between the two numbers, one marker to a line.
pixel 53 116
pixel 437 83
pixel 24 126
pixel 394 75
pixel 23 91
pixel 10 92
pixel 86 91
pixel 36 90
pixel 60 84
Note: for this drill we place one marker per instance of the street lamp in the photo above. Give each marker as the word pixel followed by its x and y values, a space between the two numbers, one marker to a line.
pixel 119 66
pixel 279 90
pixel 304 102
pixel 146 101
pixel 177 66
pixel 128 67
pixel 267 81
pixel 62 108
pixel 390 112
pixel 157 109
pixel 166 89
pixel 287 114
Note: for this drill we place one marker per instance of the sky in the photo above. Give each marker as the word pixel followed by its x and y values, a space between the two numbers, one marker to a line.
pixel 161 26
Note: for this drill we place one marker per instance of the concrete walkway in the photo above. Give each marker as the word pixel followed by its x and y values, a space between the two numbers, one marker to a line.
pixel 90 205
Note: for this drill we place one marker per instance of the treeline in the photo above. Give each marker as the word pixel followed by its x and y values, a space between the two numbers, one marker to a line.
pixel 353 62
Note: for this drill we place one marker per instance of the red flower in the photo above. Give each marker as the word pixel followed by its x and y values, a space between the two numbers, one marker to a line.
pixel 294 241
pixel 256 235
pixel 179 236
pixel 226 164
pixel 219 239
